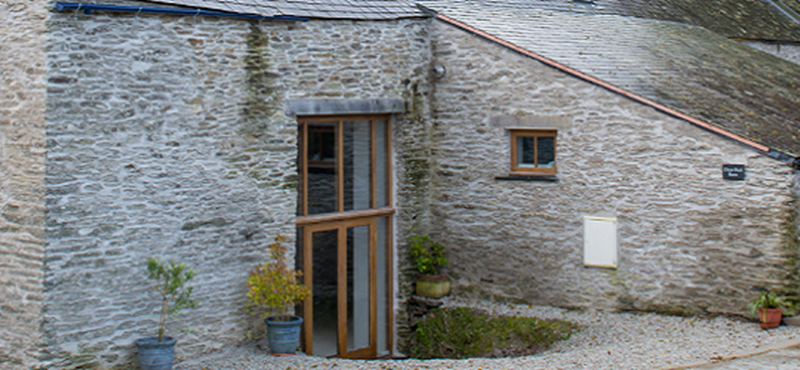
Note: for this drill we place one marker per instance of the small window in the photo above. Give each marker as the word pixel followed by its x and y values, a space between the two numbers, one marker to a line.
pixel 533 152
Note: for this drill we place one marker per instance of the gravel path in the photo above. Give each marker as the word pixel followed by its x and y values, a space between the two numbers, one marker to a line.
pixel 607 341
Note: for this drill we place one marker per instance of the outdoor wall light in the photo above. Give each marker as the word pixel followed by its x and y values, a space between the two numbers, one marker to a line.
pixel 439 71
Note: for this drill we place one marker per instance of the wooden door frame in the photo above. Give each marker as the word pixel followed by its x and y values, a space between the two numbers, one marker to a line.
pixel 341 286
pixel 341 221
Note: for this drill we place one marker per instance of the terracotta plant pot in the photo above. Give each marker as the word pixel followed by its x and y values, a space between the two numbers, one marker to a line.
pixel 770 318
pixel 433 286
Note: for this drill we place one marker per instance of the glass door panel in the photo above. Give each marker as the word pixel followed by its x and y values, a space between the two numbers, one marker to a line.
pixel 382 282
pixel 358 288
pixel 324 292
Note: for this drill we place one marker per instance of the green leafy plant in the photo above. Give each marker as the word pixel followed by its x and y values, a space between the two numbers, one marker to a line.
pixel 171 281
pixel 765 301
pixel 273 287
pixel 465 332
pixel 427 255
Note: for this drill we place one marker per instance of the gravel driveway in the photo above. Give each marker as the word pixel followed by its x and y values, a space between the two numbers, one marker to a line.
pixel 607 341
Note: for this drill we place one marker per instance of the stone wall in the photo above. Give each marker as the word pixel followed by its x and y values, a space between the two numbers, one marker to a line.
pixel 689 242
pixel 790 52
pixel 22 156
pixel 168 136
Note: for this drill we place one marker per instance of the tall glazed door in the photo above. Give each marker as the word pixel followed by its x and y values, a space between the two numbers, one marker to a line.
pixel 344 235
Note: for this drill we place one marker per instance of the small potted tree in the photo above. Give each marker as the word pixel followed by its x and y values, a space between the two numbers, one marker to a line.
pixel 274 290
pixel 768 306
pixel 171 282
pixel 428 256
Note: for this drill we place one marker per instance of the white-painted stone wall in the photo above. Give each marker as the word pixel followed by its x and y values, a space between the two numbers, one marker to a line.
pixel 689 242
pixel 790 52
pixel 168 136
pixel 22 156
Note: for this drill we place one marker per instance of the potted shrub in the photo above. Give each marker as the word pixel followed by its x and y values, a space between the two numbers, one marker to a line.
pixel 171 281
pixel 768 306
pixel 274 289
pixel 428 256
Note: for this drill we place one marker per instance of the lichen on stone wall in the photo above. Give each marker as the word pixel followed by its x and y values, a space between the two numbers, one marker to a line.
pixel 262 98
pixel 790 232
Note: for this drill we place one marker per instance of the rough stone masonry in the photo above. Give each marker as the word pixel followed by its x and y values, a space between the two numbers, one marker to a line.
pixel 22 189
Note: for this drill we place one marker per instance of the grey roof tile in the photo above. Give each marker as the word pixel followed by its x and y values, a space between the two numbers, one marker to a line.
pixel 687 68
pixel 323 9
pixel 747 19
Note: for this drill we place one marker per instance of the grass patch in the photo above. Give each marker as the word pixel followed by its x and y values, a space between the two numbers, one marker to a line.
pixel 465 332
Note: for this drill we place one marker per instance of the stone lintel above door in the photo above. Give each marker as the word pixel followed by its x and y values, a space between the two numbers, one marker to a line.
pixel 309 107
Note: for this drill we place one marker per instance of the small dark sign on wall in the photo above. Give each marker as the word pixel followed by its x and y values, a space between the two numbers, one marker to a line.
pixel 734 172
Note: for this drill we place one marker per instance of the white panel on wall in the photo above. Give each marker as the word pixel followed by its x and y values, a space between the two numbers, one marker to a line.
pixel 600 242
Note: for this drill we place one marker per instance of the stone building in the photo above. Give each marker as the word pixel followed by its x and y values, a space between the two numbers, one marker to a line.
pixel 566 154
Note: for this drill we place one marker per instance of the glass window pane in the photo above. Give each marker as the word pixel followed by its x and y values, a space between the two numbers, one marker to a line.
pixel 525 151
pixel 357 164
pixel 321 163
pixel 357 288
pixel 314 145
pixel 381 155
pixel 328 145
pixel 546 151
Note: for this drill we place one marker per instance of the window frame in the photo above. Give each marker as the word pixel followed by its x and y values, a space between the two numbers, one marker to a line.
pixel 516 133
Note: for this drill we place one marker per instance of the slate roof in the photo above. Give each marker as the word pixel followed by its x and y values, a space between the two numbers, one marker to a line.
pixel 321 9
pixel 687 68
pixel 746 19
pixel 793 5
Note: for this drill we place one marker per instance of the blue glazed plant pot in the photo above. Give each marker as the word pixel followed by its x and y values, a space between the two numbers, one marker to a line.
pixel 155 355
pixel 284 336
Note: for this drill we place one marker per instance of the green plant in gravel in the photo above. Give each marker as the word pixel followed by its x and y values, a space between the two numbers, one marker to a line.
pixel 427 255
pixel 171 280
pixel 465 332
